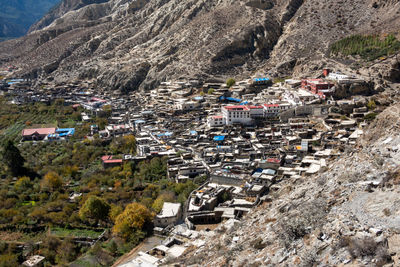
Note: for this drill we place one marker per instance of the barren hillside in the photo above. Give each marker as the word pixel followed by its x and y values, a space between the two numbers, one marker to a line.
pixel 136 44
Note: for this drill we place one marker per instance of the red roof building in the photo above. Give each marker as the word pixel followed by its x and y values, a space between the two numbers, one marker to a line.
pixel 315 85
pixel 37 134
pixel 109 162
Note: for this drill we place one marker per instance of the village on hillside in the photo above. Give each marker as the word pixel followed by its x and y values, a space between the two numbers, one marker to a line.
pixel 245 137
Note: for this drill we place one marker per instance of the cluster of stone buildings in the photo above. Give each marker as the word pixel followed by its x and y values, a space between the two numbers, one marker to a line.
pixel 244 139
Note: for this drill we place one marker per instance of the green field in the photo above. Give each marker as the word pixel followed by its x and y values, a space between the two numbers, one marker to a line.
pixel 62 232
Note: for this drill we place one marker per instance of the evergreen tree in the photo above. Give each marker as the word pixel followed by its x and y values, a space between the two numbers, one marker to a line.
pixel 13 159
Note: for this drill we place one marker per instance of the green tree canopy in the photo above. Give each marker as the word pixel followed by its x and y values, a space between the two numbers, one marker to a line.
pixel 13 159
pixel 230 82
pixel 95 208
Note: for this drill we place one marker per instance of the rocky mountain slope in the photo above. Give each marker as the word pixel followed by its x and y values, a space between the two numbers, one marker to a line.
pixel 345 215
pixel 128 45
pixel 18 15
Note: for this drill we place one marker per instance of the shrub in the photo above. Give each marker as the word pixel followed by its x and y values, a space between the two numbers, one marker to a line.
pixel 258 243
pixel 387 212
pixel 9 260
pixel 51 181
pixel 230 82
pixel 311 215
pixel 22 184
pixel 370 116
pixel 371 105
pixel 367 246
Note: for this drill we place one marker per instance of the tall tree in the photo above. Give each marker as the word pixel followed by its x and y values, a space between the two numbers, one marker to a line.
pixel 131 223
pixel 13 159
pixel 95 208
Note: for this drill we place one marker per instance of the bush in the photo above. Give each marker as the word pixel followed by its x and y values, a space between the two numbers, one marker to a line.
pixel 230 82
pixel 311 216
pixel 367 246
pixel 371 105
pixel 8 260
pixel 370 116
pixel 258 243
pixel 51 181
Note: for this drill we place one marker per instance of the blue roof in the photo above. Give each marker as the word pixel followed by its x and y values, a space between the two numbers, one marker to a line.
pixel 219 138
pixel 244 103
pixel 65 132
pixel 234 99
pixel 230 99
pixel 139 121
pixel 261 79
pixel 198 98
pixel 14 81
pixel 193 132
pixel 165 134
pixel 258 170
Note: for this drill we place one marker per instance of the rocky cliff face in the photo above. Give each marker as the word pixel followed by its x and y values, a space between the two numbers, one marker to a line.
pixel 136 44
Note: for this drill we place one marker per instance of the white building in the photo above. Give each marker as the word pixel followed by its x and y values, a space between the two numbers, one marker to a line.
pixel 237 114
pixel 118 129
pixel 256 111
pixel 337 76
pixel 170 214
pixel 215 121
pixel 34 261
pixel 342 78
pixel 273 110
pixel 184 104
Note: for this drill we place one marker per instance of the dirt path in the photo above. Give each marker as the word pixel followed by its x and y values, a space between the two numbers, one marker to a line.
pixel 146 245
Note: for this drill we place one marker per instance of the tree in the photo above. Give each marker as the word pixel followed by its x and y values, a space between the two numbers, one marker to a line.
pixel 129 142
pixel 23 183
pixel 95 208
pixel 132 220
pixel 230 82
pixel 13 159
pixel 66 251
pixel 51 181
pixel 210 91
pixel 115 211
pixel 159 202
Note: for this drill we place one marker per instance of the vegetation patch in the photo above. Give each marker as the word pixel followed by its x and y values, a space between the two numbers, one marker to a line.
pixel 368 47
pixel 75 233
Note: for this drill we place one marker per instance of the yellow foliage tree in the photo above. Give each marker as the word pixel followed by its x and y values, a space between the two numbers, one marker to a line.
pixel 23 183
pixel 51 181
pixel 131 220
